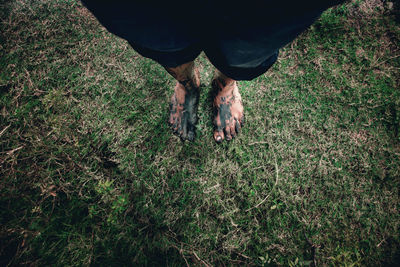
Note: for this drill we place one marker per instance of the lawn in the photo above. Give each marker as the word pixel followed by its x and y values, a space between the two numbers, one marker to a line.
pixel 92 175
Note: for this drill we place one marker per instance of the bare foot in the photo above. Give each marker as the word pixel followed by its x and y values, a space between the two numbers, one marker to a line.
pixel 228 109
pixel 183 107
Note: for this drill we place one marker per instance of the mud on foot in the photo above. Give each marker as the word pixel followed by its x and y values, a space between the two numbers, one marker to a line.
pixel 183 108
pixel 228 110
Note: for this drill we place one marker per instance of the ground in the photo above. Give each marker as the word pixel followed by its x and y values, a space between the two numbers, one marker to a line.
pixel 92 175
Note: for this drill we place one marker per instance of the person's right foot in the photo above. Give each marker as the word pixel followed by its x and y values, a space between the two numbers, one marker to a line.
pixel 183 108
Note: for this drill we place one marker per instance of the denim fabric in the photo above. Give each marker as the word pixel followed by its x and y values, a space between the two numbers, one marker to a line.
pixel 241 40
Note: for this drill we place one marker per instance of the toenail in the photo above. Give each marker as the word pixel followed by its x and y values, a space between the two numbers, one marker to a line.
pixel 190 136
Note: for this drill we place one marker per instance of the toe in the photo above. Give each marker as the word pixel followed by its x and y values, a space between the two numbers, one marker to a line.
pixel 190 136
pixel 171 121
pixel 241 120
pixel 228 133
pixel 218 136
pixel 233 131
pixel 184 133
pixel 237 126
pixel 175 126
pixel 191 132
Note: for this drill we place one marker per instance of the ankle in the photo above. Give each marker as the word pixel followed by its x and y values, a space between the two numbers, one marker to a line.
pixel 224 83
pixel 186 74
pixel 192 80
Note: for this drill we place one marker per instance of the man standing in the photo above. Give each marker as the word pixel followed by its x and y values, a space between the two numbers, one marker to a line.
pixel 241 39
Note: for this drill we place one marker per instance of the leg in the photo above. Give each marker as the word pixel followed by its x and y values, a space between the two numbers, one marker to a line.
pixel 184 101
pixel 228 108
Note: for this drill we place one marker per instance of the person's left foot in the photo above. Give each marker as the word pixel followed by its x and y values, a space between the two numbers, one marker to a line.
pixel 183 108
pixel 228 110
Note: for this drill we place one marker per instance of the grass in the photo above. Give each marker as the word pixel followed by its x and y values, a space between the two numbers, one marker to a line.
pixel 91 174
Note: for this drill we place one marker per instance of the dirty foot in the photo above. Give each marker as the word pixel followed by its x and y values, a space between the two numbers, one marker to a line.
pixel 228 109
pixel 183 108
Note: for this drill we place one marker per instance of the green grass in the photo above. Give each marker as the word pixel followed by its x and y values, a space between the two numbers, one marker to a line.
pixel 91 174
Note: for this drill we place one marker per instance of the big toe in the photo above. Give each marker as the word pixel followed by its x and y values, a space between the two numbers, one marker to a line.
pixel 219 136
pixel 189 134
